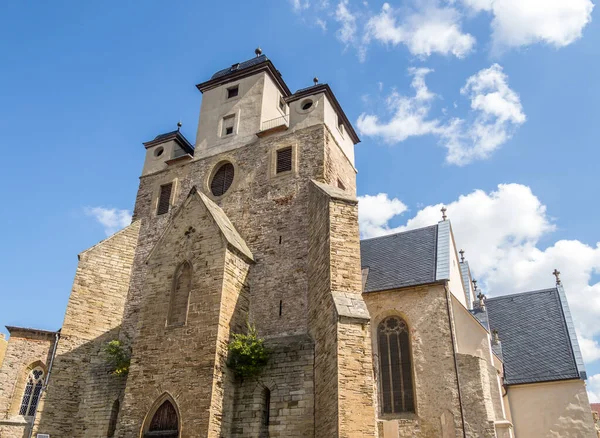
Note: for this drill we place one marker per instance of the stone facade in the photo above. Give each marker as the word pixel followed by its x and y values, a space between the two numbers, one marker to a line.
pixel 81 386
pixel 26 350
pixel 3 347
pixel 279 250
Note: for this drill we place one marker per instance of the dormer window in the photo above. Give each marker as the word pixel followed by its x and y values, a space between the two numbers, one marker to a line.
pixel 233 92
pixel 228 125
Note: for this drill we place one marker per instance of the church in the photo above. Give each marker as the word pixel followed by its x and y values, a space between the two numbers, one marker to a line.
pixel 254 227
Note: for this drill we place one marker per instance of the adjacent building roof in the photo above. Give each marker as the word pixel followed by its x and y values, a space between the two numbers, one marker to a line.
pixel 240 66
pixel 400 260
pixel 595 407
pixel 536 345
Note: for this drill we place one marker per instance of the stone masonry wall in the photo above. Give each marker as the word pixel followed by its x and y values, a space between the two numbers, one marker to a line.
pixel 3 347
pixel 436 391
pixel 289 377
pixel 477 400
pixel 26 349
pixel 186 361
pixel 343 367
pixel 81 392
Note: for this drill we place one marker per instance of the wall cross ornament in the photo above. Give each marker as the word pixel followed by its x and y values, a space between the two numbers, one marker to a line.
pixel 189 232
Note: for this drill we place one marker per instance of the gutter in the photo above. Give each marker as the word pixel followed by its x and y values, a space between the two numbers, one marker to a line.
pixel 450 323
pixel 56 338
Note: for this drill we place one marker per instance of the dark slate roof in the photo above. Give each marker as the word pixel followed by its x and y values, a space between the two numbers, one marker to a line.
pixel 240 66
pixel 173 135
pixel 482 316
pixel 535 341
pixel 400 260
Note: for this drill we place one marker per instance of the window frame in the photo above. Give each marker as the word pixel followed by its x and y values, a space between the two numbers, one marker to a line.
pixel 172 297
pixel 35 385
pixel 224 119
pixel 235 88
pixel 273 158
pixel 409 411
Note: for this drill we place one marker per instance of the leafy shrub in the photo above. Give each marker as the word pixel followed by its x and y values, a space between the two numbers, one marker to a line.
pixel 119 357
pixel 247 353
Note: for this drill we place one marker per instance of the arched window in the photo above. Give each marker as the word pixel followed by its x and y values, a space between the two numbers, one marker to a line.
pixel 266 407
pixel 114 414
pixel 180 294
pixel 395 366
pixel 33 389
pixel 164 423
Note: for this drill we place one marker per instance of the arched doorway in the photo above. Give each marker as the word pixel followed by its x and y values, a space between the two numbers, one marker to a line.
pixel 164 423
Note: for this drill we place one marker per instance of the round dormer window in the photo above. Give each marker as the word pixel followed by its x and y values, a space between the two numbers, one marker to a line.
pixel 222 179
pixel 306 105
pixel 158 151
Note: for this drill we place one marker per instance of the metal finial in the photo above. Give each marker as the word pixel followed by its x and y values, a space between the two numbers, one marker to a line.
pixel 462 255
pixel 556 273
pixel 443 210
pixel 475 285
pixel 179 124
pixel 316 80
pixel 258 51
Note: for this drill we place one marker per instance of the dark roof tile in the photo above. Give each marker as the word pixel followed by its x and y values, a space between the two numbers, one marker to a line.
pixel 535 342
pixel 400 260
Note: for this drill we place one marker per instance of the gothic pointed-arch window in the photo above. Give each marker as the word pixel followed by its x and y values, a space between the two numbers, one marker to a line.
pixel 395 366
pixel 33 389
pixel 180 295
pixel 164 423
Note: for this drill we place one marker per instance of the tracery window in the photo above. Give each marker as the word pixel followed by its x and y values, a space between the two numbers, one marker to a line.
pixel 33 389
pixel 395 366
pixel 180 294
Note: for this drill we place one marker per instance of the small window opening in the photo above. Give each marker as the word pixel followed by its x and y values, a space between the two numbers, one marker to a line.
pixel 164 199
pixel 232 92
pixel 282 104
pixel 340 124
pixel 228 123
pixel 340 184
pixel 307 104
pixel 114 414
pixel 159 151
pixel 266 407
pixel 280 307
pixel 222 179
pixel 280 237
pixel 284 160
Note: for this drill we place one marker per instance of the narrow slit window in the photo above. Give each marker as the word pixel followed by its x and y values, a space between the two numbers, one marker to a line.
pixel 340 184
pixel 284 160
pixel 180 295
pixel 164 199
pixel 266 407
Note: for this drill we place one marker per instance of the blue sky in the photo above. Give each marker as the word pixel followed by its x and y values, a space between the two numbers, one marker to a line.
pixel 489 109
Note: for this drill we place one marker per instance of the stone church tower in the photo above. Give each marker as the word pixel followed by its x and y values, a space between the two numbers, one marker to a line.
pixel 257 223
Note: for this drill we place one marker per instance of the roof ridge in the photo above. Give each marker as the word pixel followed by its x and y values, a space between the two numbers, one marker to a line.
pixel 531 292
pixel 399 232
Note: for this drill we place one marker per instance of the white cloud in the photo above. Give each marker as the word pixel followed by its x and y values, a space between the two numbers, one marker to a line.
pixel 501 233
pixel 112 219
pixel 375 212
pixel 410 114
pixel 517 23
pixel 322 24
pixel 496 112
pixel 299 5
pixel 430 30
pixel 593 388
pixel 347 31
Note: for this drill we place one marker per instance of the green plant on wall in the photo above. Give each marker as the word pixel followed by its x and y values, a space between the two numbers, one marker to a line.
pixel 119 357
pixel 247 353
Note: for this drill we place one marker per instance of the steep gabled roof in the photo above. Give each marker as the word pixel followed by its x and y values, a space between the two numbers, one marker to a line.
pixel 233 238
pixel 400 260
pixel 536 345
